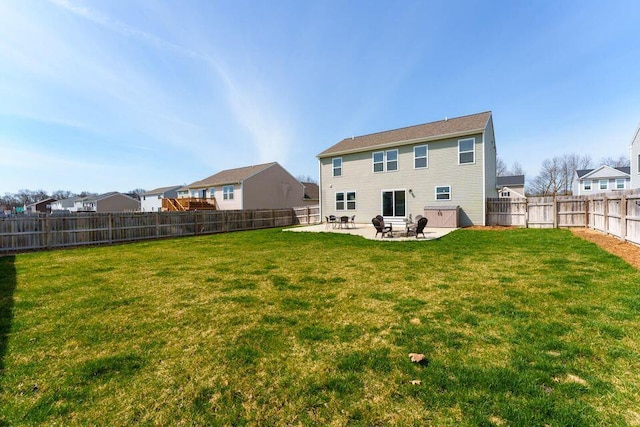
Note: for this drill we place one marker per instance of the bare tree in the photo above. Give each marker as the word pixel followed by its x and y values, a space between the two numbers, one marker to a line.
pixel 306 178
pixel 620 162
pixel 61 194
pixel 501 167
pixel 516 169
pixel 557 174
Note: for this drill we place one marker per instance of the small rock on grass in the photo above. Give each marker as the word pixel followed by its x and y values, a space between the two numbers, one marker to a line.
pixel 418 358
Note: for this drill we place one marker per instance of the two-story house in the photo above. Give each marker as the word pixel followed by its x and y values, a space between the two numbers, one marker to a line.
pixel 264 186
pixel 604 179
pixel 401 172
pixel 634 149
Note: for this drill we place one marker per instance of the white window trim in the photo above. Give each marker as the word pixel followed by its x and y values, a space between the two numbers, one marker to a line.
pixel 333 167
pixel 472 151
pixel 394 190
pixel 335 201
pixel 226 193
pixel 606 184
pixel 373 162
pixel 426 157
pixel 435 193
pixel 623 181
pixel 584 185
pixel 397 160
pixel 346 200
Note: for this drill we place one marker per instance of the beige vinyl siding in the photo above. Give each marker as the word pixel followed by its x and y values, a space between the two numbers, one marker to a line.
pixel 229 204
pixel 272 188
pixel 490 155
pixel 357 175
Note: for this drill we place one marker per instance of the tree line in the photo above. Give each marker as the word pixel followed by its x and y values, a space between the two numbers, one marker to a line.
pixel 25 197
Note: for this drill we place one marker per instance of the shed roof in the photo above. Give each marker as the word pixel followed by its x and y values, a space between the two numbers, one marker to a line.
pixel 464 125
pixel 231 176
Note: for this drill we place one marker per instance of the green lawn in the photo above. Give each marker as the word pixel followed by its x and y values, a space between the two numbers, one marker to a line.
pixel 520 327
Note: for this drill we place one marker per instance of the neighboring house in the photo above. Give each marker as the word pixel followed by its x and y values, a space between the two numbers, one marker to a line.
pixel 151 201
pixel 401 172
pixel 43 206
pixel 634 148
pixel 311 194
pixel 510 186
pixel 265 186
pixel 109 202
pixel 604 179
pixel 71 204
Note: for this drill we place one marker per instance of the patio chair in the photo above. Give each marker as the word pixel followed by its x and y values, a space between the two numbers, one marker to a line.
pixel 352 221
pixel 418 227
pixel 333 220
pixel 380 227
pixel 344 221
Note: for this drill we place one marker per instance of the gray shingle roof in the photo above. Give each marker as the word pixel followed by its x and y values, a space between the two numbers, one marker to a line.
pixel 513 180
pixel 230 176
pixel 583 172
pixel 474 123
pixel 161 190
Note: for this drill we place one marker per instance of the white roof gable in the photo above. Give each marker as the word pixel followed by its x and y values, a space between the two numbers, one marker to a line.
pixel 605 172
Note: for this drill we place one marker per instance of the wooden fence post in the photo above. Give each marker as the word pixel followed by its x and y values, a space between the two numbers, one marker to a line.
pixel 555 212
pixel 586 212
pixel 110 227
pixel 623 218
pixel 157 220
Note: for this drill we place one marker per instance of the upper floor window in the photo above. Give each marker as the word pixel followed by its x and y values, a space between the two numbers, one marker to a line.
pixel 392 160
pixel 620 184
pixel 604 184
pixel 227 192
pixel 466 151
pixel 586 185
pixel 337 166
pixel 378 161
pixel 385 160
pixel 420 157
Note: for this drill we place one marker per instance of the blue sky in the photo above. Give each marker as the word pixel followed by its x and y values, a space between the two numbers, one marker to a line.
pixel 112 95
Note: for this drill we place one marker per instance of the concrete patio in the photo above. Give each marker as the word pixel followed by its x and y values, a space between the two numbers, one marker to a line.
pixel 369 232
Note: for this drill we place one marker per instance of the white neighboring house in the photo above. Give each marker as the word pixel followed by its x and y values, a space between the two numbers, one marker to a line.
pixel 510 186
pixel 151 201
pixel 72 204
pixel 634 148
pixel 604 179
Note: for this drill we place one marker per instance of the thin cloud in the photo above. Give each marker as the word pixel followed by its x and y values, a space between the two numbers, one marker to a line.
pixel 270 136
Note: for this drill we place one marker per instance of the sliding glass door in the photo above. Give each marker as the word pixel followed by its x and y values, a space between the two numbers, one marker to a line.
pixel 394 203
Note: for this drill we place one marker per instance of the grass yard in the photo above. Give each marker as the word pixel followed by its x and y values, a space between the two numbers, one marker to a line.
pixel 520 327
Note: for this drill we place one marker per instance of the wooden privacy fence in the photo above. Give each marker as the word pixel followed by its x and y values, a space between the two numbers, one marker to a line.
pixel 55 231
pixel 614 214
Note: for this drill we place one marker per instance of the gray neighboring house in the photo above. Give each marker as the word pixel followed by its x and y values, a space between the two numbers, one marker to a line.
pixel 634 148
pixel 401 172
pixel 264 186
pixel 604 179
pixel 109 202
pixel 510 186
pixel 151 201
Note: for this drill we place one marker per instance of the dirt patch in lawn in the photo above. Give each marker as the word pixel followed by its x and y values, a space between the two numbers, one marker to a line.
pixel 625 250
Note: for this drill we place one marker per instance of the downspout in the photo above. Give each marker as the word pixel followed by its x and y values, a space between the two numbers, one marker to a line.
pixel 484 180
pixel 320 189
